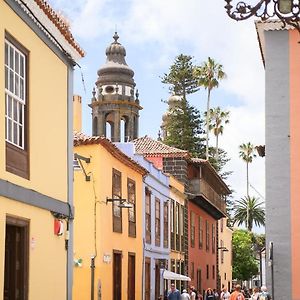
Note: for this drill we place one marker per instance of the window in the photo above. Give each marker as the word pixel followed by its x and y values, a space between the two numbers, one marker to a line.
pixel 200 233
pixel 207 271
pixel 207 235
pixel 192 229
pixel 166 225
pixel 132 210
pixel 116 194
pixel 222 252
pixel 16 103
pixel 157 222
pixel 213 234
pixel 148 215
pixel 222 224
pixel 181 227
pixel 192 270
pixel 177 244
pixel 213 271
pixel 172 217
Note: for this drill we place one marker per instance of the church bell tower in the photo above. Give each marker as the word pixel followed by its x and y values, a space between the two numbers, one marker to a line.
pixel 115 103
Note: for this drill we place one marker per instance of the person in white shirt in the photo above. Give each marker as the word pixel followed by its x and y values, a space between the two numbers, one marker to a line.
pixel 185 295
pixel 193 293
pixel 225 295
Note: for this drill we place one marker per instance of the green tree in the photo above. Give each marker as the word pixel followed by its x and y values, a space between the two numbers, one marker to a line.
pixel 244 265
pixel 183 128
pixel 250 211
pixel 209 74
pixel 181 78
pixel 219 164
pixel 217 119
pixel 247 153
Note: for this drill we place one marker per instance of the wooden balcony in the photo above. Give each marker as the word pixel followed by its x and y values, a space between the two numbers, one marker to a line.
pixel 206 197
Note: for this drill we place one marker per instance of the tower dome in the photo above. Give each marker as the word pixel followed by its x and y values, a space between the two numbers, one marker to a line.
pixel 115 68
pixel 115 103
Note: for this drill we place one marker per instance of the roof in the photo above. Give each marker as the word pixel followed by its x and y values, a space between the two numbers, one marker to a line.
pixel 200 161
pixel 150 147
pixel 83 139
pixel 269 25
pixel 53 24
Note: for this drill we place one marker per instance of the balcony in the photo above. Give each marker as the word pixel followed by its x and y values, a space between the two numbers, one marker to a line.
pixel 202 194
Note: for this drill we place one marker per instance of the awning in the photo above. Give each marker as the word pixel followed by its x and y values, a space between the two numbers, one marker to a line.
pixel 174 276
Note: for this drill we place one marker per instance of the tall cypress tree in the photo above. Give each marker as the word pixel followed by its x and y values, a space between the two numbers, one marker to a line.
pixel 184 124
pixel 184 129
pixel 181 77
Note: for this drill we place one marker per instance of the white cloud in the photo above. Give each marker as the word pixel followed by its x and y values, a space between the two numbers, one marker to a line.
pixel 204 29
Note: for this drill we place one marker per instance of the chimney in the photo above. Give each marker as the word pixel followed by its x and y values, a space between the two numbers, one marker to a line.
pixel 77 113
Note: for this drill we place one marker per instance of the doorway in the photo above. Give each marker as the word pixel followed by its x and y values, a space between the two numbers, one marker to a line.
pixel 16 259
pixel 117 275
pixel 131 276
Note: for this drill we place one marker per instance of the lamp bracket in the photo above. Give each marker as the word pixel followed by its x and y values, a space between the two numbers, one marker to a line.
pixel 87 160
pixel 265 9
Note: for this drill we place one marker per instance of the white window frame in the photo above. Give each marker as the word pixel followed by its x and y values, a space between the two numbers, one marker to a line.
pixel 15 95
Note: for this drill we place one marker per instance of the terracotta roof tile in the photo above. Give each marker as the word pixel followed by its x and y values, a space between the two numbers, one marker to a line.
pixel 80 138
pixel 61 25
pixel 150 147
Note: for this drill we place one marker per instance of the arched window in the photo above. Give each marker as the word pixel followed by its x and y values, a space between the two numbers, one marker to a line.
pixel 95 126
pixel 122 131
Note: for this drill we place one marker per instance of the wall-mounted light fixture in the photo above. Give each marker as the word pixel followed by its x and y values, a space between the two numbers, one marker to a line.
pixel 223 248
pixel 122 202
pixel 77 164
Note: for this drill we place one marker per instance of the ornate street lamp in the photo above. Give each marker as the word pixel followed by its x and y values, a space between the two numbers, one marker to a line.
pixel 288 11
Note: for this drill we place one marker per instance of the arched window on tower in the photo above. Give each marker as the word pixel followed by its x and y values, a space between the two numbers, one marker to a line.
pixel 123 131
pixel 109 130
pixel 109 127
pixel 95 126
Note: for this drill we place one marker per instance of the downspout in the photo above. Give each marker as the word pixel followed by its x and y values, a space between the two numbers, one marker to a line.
pixel 70 178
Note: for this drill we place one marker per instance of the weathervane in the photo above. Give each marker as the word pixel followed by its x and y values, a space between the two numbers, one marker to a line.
pixel 288 11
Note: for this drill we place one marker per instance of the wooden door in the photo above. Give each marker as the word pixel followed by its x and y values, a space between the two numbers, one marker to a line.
pixel 147 278
pixel 117 276
pixel 199 281
pixel 157 280
pixel 16 263
pixel 131 277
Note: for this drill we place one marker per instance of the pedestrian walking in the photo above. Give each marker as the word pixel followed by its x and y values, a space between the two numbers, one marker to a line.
pixel 185 295
pixel 216 294
pixel 264 295
pixel 255 294
pixel 237 294
pixel 173 293
pixel 209 295
pixel 225 295
pixel 193 293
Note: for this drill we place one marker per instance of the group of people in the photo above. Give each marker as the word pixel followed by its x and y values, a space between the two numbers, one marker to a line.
pixel 237 294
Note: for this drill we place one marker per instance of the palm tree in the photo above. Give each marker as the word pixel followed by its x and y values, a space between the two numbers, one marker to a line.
pixel 247 153
pixel 209 74
pixel 217 118
pixel 249 210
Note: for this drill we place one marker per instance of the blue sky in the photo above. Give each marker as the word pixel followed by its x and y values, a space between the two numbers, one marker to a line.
pixel 153 33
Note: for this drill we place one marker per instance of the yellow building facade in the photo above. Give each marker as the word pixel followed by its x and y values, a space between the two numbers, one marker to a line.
pixel 35 152
pixel 225 254
pixel 103 230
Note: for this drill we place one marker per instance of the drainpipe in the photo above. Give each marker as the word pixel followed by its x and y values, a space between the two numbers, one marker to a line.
pixel 69 265
pixel 92 277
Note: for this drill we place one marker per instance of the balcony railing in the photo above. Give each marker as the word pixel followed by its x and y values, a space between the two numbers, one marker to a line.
pixel 202 188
